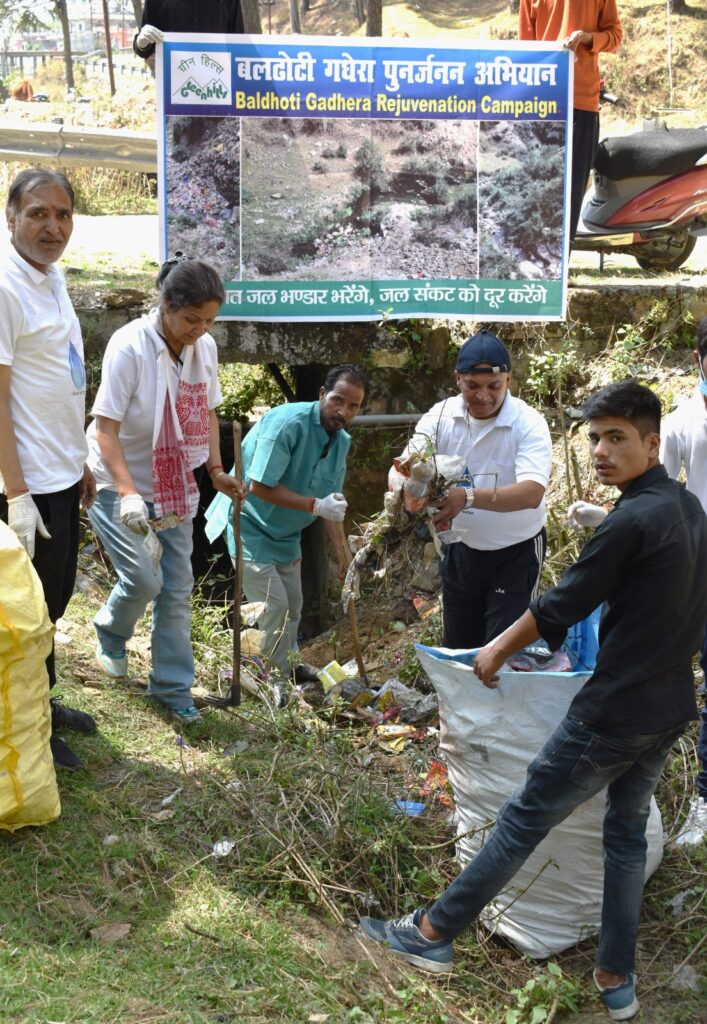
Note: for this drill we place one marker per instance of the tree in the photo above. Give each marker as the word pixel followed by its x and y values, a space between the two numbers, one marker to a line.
pixel 251 17
pixel 15 16
pixel 62 13
pixel 679 7
pixel 374 21
pixel 295 24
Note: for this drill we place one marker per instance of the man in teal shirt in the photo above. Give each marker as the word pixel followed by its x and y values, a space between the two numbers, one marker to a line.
pixel 294 463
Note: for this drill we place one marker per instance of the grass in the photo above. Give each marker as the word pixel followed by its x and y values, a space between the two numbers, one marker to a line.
pixel 263 934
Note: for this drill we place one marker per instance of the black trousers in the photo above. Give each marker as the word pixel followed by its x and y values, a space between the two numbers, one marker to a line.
pixel 484 592
pixel 585 138
pixel 55 560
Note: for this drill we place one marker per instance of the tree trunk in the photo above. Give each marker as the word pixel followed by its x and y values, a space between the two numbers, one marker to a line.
pixel 679 7
pixel 63 16
pixel 359 11
pixel 514 6
pixel 250 10
pixel 294 18
pixel 137 8
pixel 109 47
pixel 374 21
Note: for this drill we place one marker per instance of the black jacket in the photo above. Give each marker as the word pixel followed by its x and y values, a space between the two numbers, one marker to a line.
pixel 647 565
pixel 221 16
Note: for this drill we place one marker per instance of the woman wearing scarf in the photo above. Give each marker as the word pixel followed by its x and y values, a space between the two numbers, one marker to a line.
pixel 154 423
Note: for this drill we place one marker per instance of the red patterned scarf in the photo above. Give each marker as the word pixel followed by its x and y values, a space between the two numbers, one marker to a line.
pixel 181 435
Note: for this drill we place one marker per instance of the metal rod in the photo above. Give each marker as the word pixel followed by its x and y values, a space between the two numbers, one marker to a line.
pixel 355 636
pixel 238 562
pixel 393 419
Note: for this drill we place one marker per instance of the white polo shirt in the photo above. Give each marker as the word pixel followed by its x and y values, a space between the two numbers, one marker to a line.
pixel 683 442
pixel 513 446
pixel 128 394
pixel 40 338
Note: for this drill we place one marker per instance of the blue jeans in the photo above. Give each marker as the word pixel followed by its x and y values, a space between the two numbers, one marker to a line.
pixel 169 589
pixel 576 763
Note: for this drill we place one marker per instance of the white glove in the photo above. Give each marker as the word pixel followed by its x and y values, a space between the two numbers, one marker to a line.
pixel 148 35
pixel 333 507
pixel 582 513
pixel 134 514
pixel 23 517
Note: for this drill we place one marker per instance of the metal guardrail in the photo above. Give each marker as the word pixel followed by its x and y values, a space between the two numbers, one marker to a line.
pixel 95 61
pixel 64 146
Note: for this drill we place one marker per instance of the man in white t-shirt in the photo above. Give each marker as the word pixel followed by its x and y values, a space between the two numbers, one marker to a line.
pixel 42 405
pixel 684 444
pixel 496 541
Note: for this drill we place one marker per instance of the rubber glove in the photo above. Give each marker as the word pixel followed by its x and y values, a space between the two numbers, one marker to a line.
pixel 134 514
pixel 582 513
pixel 333 507
pixel 23 517
pixel 148 35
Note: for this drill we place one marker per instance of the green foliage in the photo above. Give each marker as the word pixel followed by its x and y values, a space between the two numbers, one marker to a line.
pixel 245 387
pixel 552 369
pixel 543 996
pixel 662 328
pixel 369 167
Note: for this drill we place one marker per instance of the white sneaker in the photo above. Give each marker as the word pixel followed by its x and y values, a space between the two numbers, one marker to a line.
pixel 116 668
pixel 694 827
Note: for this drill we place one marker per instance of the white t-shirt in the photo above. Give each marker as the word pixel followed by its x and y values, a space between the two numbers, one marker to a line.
pixel 127 393
pixel 511 447
pixel 683 442
pixel 40 338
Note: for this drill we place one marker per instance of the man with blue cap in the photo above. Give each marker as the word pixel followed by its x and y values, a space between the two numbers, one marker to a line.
pixel 495 543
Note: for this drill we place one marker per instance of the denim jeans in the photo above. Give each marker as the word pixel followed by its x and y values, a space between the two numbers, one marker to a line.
pixel 576 763
pixel 169 589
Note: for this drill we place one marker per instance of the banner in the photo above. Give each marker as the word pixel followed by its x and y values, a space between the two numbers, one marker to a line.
pixel 343 179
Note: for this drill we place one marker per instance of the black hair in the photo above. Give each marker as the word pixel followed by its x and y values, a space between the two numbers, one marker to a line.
pixel 702 337
pixel 183 282
pixel 627 400
pixel 350 373
pixel 33 178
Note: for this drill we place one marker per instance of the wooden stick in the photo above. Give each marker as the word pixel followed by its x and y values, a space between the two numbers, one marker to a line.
pixel 238 581
pixel 341 534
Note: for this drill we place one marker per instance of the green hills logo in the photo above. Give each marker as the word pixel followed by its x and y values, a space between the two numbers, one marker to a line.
pixel 200 77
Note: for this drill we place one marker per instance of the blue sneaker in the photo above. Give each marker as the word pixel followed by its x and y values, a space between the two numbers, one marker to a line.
pixel 404 939
pixel 620 1000
pixel 114 665
pixel 187 715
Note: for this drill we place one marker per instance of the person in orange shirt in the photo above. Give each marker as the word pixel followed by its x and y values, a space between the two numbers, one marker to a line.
pixel 587 27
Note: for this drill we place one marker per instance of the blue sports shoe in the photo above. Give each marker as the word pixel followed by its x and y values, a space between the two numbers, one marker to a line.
pixel 404 939
pixel 620 1000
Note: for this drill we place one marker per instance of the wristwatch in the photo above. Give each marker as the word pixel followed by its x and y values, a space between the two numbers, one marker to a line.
pixel 469 497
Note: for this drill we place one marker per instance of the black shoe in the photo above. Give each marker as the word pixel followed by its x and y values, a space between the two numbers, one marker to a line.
pixel 64 757
pixel 70 718
pixel 306 674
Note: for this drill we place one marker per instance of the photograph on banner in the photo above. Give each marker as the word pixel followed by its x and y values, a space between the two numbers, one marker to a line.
pixel 330 179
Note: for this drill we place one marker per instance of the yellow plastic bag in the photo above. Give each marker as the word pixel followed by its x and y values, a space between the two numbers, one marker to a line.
pixel 28 790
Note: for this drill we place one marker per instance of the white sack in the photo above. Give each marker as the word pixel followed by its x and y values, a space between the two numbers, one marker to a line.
pixel 488 738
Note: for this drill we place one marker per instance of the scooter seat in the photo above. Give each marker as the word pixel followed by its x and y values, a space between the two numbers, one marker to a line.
pixel 650 153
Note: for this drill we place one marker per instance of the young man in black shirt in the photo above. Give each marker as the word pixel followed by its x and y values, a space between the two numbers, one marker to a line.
pixel 645 563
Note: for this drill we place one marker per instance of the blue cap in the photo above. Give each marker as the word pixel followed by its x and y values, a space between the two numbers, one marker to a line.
pixel 483 347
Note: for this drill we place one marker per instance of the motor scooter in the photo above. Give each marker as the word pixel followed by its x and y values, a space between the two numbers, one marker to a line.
pixel 648 196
